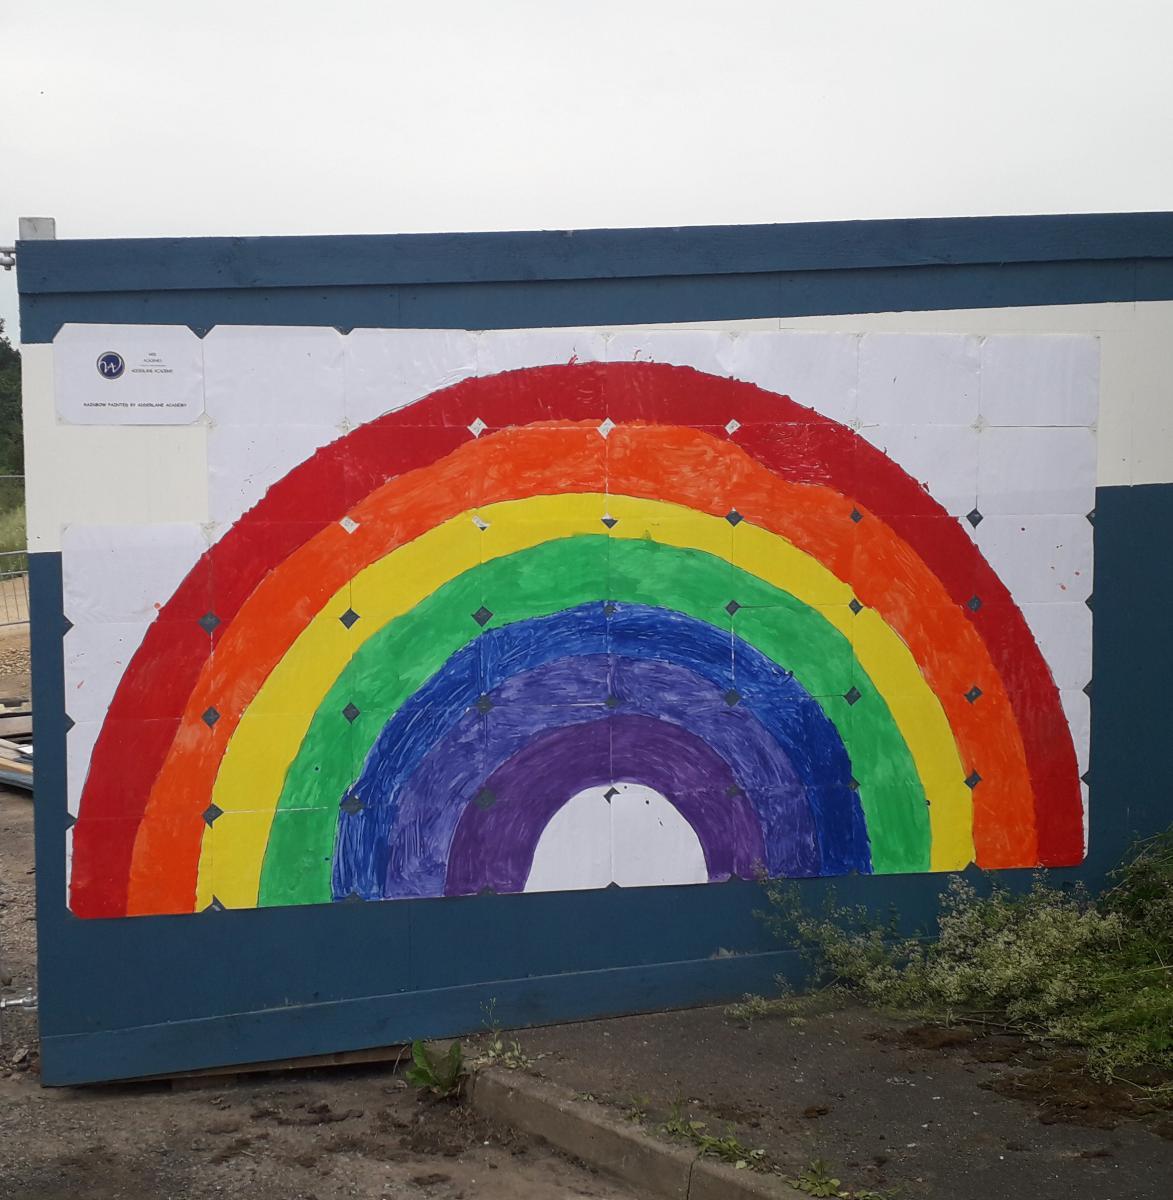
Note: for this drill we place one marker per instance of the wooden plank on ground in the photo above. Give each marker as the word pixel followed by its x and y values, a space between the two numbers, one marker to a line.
pixel 210 1076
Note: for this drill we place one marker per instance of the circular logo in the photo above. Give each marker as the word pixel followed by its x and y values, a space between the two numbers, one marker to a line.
pixel 110 365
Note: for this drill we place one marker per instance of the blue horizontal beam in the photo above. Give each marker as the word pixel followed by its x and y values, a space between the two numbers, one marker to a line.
pixel 221 263
pixel 553 302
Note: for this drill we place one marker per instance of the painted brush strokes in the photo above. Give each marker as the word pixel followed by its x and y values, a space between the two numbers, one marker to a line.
pixel 635 622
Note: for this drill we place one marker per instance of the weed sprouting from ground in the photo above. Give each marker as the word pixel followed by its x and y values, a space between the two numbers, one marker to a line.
pixel 708 1145
pixel 1054 964
pixel 505 1052
pixel 441 1074
pixel 500 1051
pixel 816 1180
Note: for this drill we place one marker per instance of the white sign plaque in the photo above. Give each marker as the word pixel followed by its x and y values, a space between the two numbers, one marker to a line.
pixel 128 375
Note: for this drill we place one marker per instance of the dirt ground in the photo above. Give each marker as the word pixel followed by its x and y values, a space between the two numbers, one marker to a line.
pixel 310 1135
pixel 903 1110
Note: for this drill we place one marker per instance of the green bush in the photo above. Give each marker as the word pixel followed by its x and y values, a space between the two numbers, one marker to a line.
pixel 1054 964
pixel 12 535
pixel 11 438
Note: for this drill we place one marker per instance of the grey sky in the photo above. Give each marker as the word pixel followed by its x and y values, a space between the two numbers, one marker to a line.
pixel 125 118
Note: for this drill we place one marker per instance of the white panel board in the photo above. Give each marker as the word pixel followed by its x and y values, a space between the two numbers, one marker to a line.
pixel 574 851
pixel 943 459
pixel 96 655
pixel 125 573
pixel 1042 559
pixel 388 369
pixel 651 843
pixel 637 839
pixel 244 461
pixel 274 376
pixel 816 370
pixel 1040 381
pixel 929 379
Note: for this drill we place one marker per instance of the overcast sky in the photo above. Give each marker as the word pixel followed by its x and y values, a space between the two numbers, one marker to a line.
pixel 124 118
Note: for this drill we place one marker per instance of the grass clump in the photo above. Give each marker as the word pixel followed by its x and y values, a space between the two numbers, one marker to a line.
pixel 12 529
pixel 1054 964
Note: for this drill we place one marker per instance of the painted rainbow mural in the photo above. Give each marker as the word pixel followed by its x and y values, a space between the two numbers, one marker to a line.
pixel 389 676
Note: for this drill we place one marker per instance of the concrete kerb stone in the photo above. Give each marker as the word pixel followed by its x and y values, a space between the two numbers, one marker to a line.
pixel 584 1131
pixel 716 1181
pixel 618 1148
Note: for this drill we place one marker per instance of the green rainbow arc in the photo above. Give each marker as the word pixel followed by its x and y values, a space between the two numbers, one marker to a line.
pixel 400 657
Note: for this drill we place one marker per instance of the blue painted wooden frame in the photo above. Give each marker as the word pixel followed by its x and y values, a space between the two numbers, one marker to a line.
pixel 597 276
pixel 150 995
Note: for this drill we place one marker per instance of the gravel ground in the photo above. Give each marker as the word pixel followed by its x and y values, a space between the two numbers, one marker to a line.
pixel 14 662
